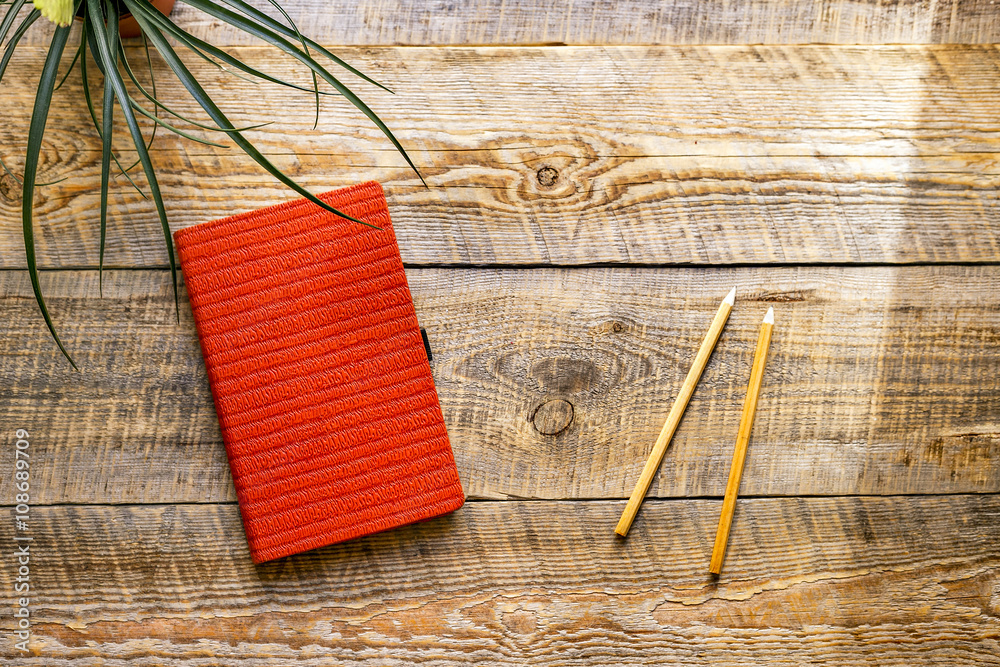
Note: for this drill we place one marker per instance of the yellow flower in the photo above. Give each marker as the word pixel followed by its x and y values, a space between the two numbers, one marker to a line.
pixel 59 12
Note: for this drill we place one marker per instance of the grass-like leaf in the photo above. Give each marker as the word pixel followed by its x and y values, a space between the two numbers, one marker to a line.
pixel 36 131
pixel 276 40
pixel 108 57
pixel 100 36
pixel 180 70
pixel 152 79
pixel 8 19
pixel 100 66
pixel 203 50
pixel 176 130
pixel 69 70
pixel 305 47
pixel 266 20
pixel 107 128
pixel 16 37
pixel 87 37
pixel 152 98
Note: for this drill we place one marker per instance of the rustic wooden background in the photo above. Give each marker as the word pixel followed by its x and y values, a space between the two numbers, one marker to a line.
pixel 600 175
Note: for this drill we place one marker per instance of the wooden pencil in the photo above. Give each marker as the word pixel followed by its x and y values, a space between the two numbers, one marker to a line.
pixel 676 412
pixel 742 440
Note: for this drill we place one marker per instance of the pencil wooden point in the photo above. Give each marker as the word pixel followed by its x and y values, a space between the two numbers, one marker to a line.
pixel 742 440
pixel 674 417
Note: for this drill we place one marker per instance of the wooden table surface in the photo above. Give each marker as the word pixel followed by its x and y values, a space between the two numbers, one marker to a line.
pixel 601 174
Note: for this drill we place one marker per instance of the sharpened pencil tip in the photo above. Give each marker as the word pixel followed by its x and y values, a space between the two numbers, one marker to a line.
pixel 731 297
pixel 769 318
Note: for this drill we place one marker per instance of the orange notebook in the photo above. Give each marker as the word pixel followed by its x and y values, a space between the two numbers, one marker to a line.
pixel 320 377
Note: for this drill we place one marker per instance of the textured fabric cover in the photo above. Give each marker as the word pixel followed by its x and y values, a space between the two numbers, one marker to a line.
pixel 320 377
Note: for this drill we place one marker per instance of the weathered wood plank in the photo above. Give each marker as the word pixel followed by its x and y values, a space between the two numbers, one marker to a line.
pixel 593 22
pixel 887 581
pixel 555 382
pixel 709 155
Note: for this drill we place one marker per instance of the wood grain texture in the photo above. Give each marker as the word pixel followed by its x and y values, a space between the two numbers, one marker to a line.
pixel 641 146
pixel 595 22
pixel 881 380
pixel 847 581
pixel 639 155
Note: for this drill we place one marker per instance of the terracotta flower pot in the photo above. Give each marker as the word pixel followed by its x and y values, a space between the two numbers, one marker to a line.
pixel 129 27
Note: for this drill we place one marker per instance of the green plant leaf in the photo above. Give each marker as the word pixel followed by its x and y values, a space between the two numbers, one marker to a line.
pixel 107 55
pixel 159 121
pixel 152 81
pixel 100 65
pixel 107 128
pixel 88 37
pixel 10 173
pixel 36 131
pixel 266 20
pixel 69 69
pixel 269 36
pixel 198 93
pixel 8 18
pixel 200 48
pixel 152 135
pixel 305 47
pixel 157 103
pixel 33 16
pixel 20 181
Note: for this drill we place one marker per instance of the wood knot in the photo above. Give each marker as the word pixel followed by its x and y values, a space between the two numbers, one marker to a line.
pixel 9 188
pixel 547 177
pixel 553 417
pixel 618 327
pixel 565 375
pixel 521 621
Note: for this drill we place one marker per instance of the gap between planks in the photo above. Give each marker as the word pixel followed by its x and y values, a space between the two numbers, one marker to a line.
pixel 595 265
pixel 607 501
